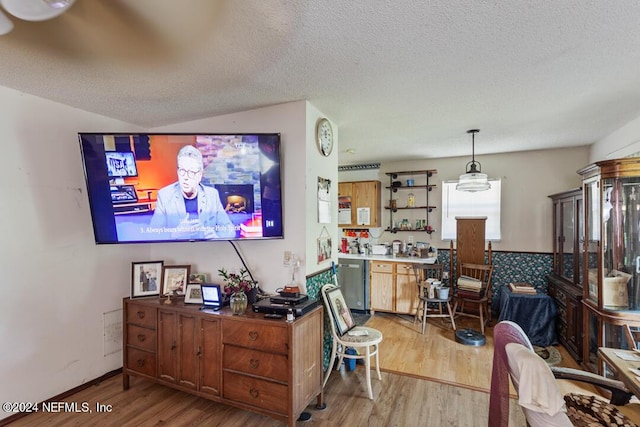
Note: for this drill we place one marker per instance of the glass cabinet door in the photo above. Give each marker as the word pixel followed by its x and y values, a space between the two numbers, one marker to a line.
pixel 592 236
pixel 567 240
pixel 593 341
pixel 620 243
pixel 578 277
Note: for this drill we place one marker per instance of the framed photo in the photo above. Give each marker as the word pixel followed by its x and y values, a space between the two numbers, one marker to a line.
pixel 339 310
pixel 198 278
pixel 193 294
pixel 145 278
pixel 324 248
pixel 174 279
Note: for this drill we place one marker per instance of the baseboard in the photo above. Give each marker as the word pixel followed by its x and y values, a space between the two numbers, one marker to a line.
pixel 64 395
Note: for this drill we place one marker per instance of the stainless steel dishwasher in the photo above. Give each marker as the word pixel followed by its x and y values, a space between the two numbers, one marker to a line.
pixel 353 278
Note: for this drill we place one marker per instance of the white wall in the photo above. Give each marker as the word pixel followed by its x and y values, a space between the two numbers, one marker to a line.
pixel 623 142
pixel 528 178
pixel 56 283
pixel 324 167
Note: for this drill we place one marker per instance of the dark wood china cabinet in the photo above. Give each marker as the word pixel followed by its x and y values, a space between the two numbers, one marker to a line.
pixel 565 281
pixel 611 255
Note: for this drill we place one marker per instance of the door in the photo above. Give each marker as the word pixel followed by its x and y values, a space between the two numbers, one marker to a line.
pixel 187 347
pixel 167 346
pixel 406 289
pixel 382 284
pixel 209 356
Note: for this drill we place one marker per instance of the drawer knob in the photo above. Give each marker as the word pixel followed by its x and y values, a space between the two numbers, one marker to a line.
pixel 254 363
pixel 141 337
pixel 140 363
pixel 141 314
pixel 254 393
pixel 253 335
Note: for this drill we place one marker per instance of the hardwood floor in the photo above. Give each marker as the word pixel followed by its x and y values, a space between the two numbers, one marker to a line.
pixel 422 384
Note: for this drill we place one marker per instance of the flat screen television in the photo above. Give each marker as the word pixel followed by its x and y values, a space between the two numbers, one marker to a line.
pixel 183 187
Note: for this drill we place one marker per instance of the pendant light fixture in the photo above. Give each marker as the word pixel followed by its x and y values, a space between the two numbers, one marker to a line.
pixel 473 180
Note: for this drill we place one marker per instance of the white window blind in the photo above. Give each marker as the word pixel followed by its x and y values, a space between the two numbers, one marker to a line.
pixel 460 203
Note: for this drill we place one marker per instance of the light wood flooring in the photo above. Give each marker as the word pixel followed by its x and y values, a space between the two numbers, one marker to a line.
pixel 426 380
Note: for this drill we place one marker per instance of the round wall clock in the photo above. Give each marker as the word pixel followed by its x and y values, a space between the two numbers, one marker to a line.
pixel 324 136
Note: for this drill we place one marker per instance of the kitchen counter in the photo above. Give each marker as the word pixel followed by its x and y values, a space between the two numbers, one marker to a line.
pixel 431 260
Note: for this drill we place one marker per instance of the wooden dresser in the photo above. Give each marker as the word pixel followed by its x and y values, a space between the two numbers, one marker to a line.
pixel 267 366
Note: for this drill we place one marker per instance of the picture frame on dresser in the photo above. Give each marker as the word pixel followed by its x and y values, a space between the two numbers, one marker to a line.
pixel 198 278
pixel 145 278
pixel 193 294
pixel 174 280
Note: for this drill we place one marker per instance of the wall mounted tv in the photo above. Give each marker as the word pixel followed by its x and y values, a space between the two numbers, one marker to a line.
pixel 183 187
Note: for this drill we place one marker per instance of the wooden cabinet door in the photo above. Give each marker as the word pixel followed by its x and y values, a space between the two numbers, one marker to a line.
pixel 209 356
pixel 382 286
pixel 346 201
pixel 187 348
pixel 367 195
pixel 406 289
pixel 167 345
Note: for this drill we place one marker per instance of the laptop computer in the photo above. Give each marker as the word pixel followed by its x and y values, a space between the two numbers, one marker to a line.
pixel 211 297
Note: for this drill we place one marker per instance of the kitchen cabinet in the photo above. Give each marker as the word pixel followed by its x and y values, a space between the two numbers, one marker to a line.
pixel 565 281
pixel 409 205
pixel 359 204
pixel 271 367
pixel 393 287
pixel 610 255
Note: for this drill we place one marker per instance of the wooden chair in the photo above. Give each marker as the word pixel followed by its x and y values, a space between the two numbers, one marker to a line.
pixel 539 396
pixel 360 338
pixel 423 272
pixel 480 299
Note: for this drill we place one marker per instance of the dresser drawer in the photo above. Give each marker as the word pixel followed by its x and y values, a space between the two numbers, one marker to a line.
pixel 381 267
pixel 141 315
pixel 255 362
pixel 254 391
pixel 141 361
pixel 252 335
pixel 141 337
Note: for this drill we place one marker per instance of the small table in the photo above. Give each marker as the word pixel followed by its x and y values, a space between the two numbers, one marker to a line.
pixel 536 315
pixel 621 366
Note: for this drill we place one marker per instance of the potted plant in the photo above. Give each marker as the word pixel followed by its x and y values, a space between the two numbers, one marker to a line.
pixel 237 286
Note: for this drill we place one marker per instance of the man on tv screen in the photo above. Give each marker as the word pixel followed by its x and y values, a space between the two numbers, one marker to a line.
pixel 187 209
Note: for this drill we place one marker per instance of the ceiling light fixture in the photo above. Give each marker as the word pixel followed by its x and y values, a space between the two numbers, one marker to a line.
pixel 36 10
pixel 31 10
pixel 5 24
pixel 473 180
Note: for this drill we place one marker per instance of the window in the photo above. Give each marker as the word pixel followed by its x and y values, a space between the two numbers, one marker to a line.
pixel 460 203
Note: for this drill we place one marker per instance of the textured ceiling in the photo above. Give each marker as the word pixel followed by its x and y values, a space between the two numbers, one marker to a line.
pixel 400 78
